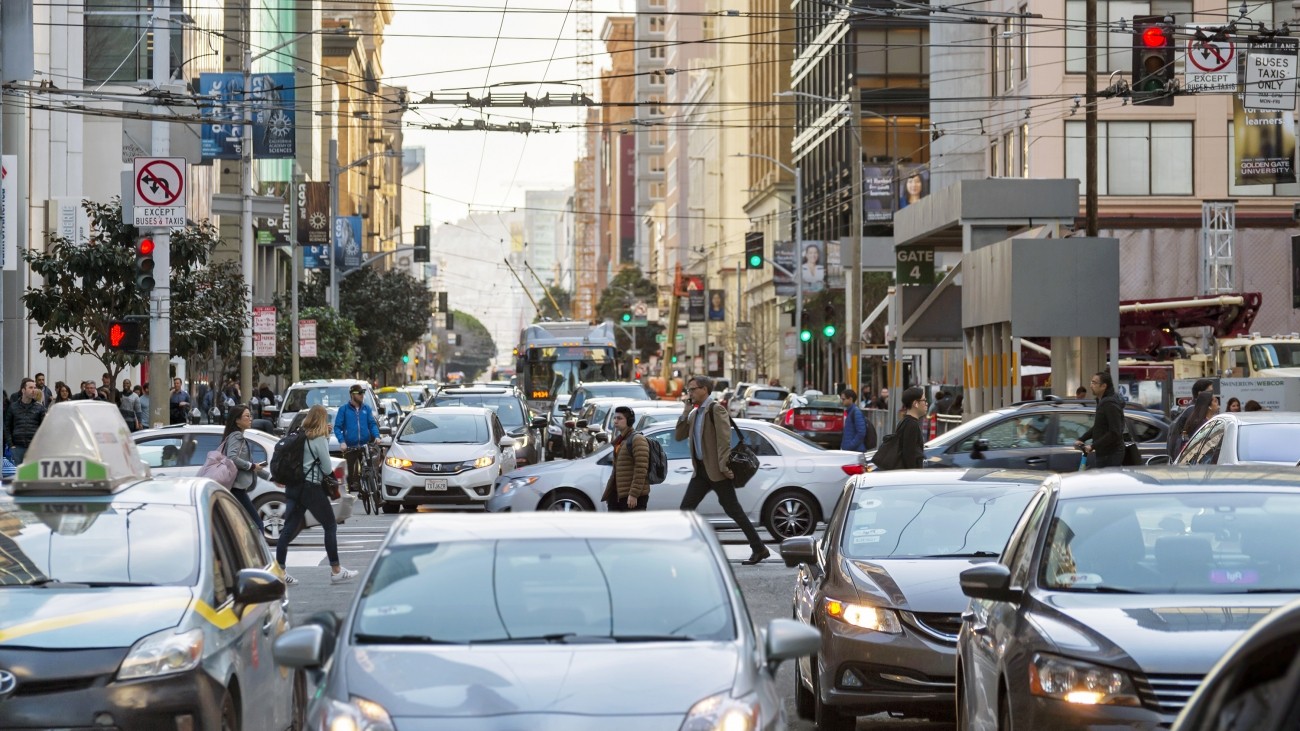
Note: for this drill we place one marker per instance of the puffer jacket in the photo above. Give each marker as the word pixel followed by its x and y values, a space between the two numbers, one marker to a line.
pixel 22 420
pixel 630 469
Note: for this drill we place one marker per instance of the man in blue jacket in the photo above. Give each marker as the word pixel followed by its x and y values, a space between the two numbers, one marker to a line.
pixel 355 427
pixel 854 437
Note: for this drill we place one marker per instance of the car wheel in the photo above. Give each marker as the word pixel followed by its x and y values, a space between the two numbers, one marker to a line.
pixel 828 718
pixel 390 508
pixel 963 721
pixel 298 711
pixel 803 698
pixel 791 513
pixel 229 713
pixel 1004 711
pixel 566 501
pixel 272 508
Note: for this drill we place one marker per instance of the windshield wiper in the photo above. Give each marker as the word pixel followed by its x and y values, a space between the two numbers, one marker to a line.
pixel 972 554
pixel 557 638
pixel 652 638
pixel 1104 589
pixel 373 639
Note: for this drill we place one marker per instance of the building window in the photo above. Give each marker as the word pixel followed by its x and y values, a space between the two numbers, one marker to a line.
pixel 1009 151
pixel 1008 56
pixel 114 50
pixel 1115 49
pixel 893 57
pixel 657 190
pixel 657 136
pixel 1022 41
pixel 1134 158
pixel 656 51
pixel 708 27
pixel 656 78
pixel 658 3
pixel 655 106
pixel 995 62
pixel 1024 150
pixel 657 24
pixel 995 159
pixel 656 163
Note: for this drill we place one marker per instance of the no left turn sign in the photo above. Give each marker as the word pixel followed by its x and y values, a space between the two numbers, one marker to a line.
pixel 159 181
pixel 1211 56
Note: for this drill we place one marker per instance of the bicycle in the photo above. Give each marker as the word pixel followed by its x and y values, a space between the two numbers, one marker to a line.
pixel 368 487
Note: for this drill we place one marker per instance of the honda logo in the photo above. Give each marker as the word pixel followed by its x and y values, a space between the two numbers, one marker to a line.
pixel 8 684
pixel 436 467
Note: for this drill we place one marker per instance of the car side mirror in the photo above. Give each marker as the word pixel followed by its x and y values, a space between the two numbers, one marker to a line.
pixel 795 551
pixel 580 423
pixel 570 424
pixel 300 647
pixel 385 430
pixel 256 586
pixel 506 442
pixel 787 639
pixel 990 581
pixel 538 422
pixel 386 440
pixel 602 437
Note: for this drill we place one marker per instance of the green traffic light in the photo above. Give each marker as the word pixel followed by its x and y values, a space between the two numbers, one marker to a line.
pixel 805 335
pixel 674 359
pixel 627 317
pixel 829 331
pixel 755 261
pixel 406 359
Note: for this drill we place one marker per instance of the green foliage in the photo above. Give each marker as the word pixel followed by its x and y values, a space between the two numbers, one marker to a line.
pixel 476 346
pixel 336 342
pixel 391 310
pixel 562 297
pixel 628 286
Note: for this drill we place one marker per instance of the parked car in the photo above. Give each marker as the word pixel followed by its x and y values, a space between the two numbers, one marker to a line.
pixel 796 486
pixel 509 407
pixel 406 400
pixel 582 425
pixel 446 457
pixel 546 611
pixel 736 399
pixel 180 450
pixel 600 420
pixel 1035 435
pixel 1257 437
pixel 1119 590
pixel 328 392
pixel 818 417
pixel 762 402
pixel 656 415
pixel 881 587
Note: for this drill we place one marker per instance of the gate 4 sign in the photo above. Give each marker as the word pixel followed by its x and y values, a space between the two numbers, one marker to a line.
pixel 1211 66
pixel 915 266
pixel 159 192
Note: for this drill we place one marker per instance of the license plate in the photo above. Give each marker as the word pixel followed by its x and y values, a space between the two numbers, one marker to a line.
pixel 435 485
pixel 819 425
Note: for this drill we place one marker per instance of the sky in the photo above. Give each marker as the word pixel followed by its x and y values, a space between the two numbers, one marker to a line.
pixel 431 49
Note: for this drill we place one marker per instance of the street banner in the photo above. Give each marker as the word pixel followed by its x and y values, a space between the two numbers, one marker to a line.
pixel 273 231
pixel 809 264
pixel 347 242
pixel 717 305
pixel 313 213
pixel 272 100
pixel 9 213
pixel 1295 272
pixel 314 257
pixel 694 298
pixel 883 196
pixel 834 265
pixel 1264 145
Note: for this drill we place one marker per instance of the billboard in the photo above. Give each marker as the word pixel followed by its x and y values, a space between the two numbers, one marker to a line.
pixel 883 196
pixel 809 264
pixel 717 305
pixel 271 97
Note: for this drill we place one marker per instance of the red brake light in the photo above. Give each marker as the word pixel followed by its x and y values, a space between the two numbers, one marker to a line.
pixel 754 403
pixel 789 417
pixel 1153 37
pixel 853 469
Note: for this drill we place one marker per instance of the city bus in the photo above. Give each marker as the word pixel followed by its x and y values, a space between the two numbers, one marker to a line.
pixel 554 358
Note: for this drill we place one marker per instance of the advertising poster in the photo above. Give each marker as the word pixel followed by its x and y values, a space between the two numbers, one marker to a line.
pixel 783 255
pixel 1263 149
pixel 812 266
pixel 9 213
pixel 347 242
pixel 273 231
pixel 882 198
pixel 272 99
pixel 717 305
pixel 834 265
pixel 313 214
pixel 914 184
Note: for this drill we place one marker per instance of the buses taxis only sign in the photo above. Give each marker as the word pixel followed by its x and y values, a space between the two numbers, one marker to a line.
pixel 1270 83
pixel 159 192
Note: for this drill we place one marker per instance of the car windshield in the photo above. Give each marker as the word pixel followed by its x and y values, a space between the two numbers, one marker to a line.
pixel 431 427
pixel 97 542
pixel 308 396
pixel 617 390
pixel 920 521
pixel 508 408
pixel 1174 543
pixel 531 590
pixel 1268 443
pixel 401 397
pixel 965 430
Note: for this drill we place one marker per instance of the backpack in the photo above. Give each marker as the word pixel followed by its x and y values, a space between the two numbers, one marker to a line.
pixel 658 469
pixel 286 460
pixel 888 456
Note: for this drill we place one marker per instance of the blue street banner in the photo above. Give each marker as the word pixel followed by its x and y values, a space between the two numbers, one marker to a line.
pixel 347 242
pixel 272 99
pixel 313 257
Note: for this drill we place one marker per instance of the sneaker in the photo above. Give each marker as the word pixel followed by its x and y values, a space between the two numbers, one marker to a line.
pixel 290 581
pixel 342 576
pixel 757 557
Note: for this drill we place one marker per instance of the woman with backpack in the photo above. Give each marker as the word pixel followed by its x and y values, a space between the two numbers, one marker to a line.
pixel 310 495
pixel 234 446
pixel 628 487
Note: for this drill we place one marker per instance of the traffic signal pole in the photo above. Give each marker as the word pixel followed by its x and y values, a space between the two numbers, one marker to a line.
pixel 160 332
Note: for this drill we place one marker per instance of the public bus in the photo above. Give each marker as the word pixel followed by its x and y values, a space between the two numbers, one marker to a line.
pixel 554 358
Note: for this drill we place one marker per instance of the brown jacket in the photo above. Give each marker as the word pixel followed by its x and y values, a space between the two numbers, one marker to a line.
pixel 631 465
pixel 716 437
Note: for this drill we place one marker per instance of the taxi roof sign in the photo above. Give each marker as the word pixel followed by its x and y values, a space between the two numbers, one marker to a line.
pixel 82 447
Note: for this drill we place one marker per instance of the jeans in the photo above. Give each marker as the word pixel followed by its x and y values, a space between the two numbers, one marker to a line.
pixel 247 502
pixel 302 498
pixel 700 485
pixel 355 457
pixel 17 454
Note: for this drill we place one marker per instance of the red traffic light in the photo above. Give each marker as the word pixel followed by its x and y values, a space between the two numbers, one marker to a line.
pixel 1154 37
pixel 116 334
pixel 125 335
pixel 145 247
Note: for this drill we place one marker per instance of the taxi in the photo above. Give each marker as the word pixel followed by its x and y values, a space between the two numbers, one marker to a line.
pixel 133 602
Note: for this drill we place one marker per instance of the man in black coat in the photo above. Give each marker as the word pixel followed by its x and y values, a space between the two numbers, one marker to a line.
pixel 23 418
pixel 911 447
pixel 1107 432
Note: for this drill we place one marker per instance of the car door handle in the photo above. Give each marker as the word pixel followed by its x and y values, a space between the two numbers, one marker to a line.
pixel 768 467
pixel 684 469
pixel 1034 460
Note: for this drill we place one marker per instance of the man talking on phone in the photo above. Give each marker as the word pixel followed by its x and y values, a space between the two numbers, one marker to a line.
pixel 706 423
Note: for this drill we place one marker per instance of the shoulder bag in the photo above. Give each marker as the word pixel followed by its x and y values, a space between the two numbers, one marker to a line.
pixel 743 463
pixel 219 468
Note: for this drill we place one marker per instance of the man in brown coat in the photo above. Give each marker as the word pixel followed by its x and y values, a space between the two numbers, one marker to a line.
pixel 628 487
pixel 706 423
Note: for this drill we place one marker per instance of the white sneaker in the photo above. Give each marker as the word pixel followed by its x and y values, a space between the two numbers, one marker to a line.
pixel 342 576
pixel 290 581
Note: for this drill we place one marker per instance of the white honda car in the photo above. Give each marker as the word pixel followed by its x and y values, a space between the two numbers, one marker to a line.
pixel 446 457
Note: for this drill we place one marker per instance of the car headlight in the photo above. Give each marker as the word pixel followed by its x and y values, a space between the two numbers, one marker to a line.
pixel 484 461
pixel 162 653
pixel 521 441
pixel 398 463
pixel 872 618
pixel 517 483
pixel 360 714
pixel 1076 681
pixel 721 712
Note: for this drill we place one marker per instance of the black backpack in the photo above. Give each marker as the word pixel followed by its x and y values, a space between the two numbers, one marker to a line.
pixel 658 469
pixel 286 460
pixel 888 456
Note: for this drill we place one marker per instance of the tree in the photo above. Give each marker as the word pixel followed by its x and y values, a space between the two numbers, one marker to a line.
pixel 562 297
pixel 83 288
pixel 476 349
pixel 627 287
pixel 336 342
pixel 391 311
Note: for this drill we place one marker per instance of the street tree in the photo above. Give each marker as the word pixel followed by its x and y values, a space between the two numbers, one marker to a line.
pixel 625 289
pixel 391 310
pixel 336 342
pixel 562 297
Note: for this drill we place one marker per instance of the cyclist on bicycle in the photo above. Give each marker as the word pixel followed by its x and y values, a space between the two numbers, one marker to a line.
pixel 355 427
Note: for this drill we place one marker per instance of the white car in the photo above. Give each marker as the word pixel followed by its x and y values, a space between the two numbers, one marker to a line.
pixel 180 450
pixel 763 402
pixel 446 457
pixel 796 486
pixel 1257 437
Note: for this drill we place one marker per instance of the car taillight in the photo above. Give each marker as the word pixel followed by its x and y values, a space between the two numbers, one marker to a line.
pixel 853 469
pixel 754 403
pixel 338 471
pixel 789 418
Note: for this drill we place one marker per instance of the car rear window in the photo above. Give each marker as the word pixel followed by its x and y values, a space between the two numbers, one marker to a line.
pixel 1268 443
pixel 932 521
pixel 769 395
pixel 507 408
pixel 304 398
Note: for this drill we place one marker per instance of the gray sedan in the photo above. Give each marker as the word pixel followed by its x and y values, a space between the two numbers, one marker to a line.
pixel 1259 437
pixel 557 622
pixel 796 486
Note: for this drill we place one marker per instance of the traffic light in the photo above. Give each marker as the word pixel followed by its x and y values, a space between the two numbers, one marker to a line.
pixel 674 359
pixel 627 317
pixel 144 265
pixel 828 330
pixel 125 335
pixel 754 250
pixel 1153 61
pixel 406 358
pixel 421 254
pixel 805 335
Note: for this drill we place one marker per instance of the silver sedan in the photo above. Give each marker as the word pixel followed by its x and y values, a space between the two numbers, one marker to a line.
pixel 797 484
pixel 1261 437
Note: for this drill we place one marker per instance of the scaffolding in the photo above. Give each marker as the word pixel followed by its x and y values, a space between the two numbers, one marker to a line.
pixel 1218 229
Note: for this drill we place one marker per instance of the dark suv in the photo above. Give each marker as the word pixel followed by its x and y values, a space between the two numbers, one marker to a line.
pixel 1037 435
pixel 509 408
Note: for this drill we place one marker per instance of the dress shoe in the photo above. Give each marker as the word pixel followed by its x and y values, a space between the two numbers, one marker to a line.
pixel 756 557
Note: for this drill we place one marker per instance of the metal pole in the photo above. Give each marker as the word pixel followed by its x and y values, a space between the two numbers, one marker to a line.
pixel 160 299
pixel 853 287
pixel 295 249
pixel 333 294
pixel 246 221
pixel 1090 121
pixel 798 277
pixel 735 319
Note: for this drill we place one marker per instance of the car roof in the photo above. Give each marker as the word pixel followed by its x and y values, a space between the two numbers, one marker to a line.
pixel 457 390
pixel 657 525
pixel 596 384
pixel 1153 479
pixel 902 478
pixel 331 382
pixel 482 410
pixel 1247 418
